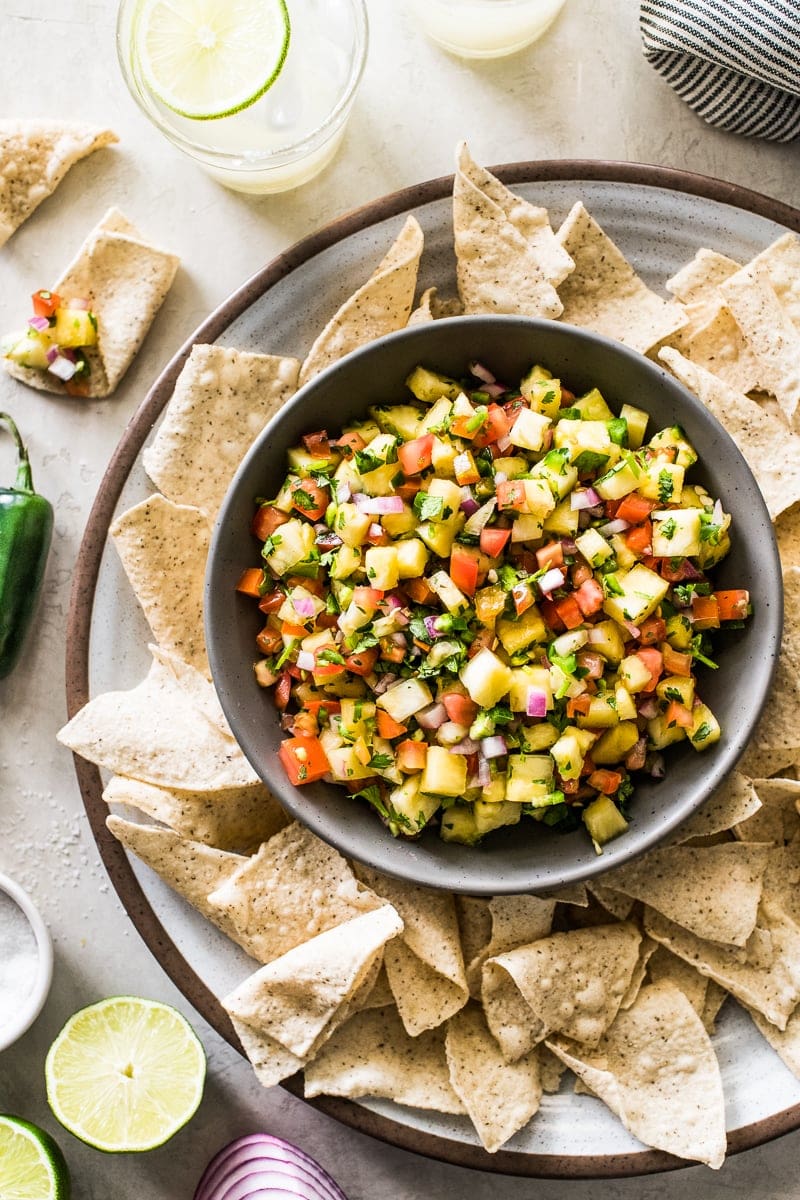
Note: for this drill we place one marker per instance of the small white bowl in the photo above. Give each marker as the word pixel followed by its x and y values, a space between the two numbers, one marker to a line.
pixel 34 1001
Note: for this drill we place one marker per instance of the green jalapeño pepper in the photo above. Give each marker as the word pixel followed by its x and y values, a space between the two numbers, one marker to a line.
pixel 26 529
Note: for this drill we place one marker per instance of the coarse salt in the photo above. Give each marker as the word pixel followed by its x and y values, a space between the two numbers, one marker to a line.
pixel 19 960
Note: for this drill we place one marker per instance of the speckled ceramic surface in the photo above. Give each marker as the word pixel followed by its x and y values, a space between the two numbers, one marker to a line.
pixel 659 218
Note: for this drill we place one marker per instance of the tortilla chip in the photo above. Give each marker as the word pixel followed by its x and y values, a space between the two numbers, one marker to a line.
pixel 787 535
pixel 191 869
pixel 125 279
pixel 372 1055
pixel 570 983
pixel 551 1069
pixel 163 548
pixel 618 904
pixel 515 921
pixel 735 800
pixel 301 997
pixel 293 889
pixel 222 400
pixel 424 313
pixel 647 948
pixel 771 450
pixel 776 741
pixel 197 689
pixel 156 734
pixel 235 819
pixel 714 891
pixel 664 966
pixel 424 965
pixel 498 269
pixel 715 998
pixel 656 1069
pixel 781 262
pixel 777 818
pixel 570 893
pixel 530 220
pixel 475 929
pixel 34 158
pixel 698 281
pixel 500 1097
pixel 785 1042
pixel 380 994
pixel 767 978
pixel 605 294
pixel 271 1062
pixel 717 344
pixel 380 306
pixel 770 332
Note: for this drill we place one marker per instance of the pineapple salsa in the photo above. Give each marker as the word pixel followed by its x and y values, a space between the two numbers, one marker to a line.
pixel 489 603
pixel 55 339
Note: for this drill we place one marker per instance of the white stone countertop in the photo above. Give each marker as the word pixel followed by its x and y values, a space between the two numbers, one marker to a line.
pixel 584 91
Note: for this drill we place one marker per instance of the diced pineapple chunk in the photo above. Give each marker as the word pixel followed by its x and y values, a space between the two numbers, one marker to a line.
pixel 661 734
pixel 674 443
pixel 292 543
pixel 626 708
pixel 405 698
pixel 564 519
pixel 383 569
pixel 443 457
pixel 662 481
pixel 539 500
pixel 534 738
pixel 489 816
pixel 351 525
pixel 570 750
pixel 633 674
pixel 676 687
pixel 704 730
pixel 346 560
pixel 396 524
pixel 459 825
pixel 528 430
pixel 620 480
pixel 445 774
pixel 602 714
pixel 486 678
pixel 676 532
pixel 429 385
pixel 522 680
pixel 615 743
pixel 451 596
pixel 412 556
pixel 74 327
pixel 642 590
pixel 530 778
pixel 594 547
pixel 607 640
pixel 516 635
pixel 637 420
pixel 603 820
pixel 409 801
pixel 526 528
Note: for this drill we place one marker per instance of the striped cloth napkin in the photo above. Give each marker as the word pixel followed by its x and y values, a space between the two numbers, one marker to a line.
pixel 735 62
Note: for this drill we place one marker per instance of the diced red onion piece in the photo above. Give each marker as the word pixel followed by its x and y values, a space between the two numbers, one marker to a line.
pixel 615 526
pixel 400 617
pixel 583 498
pixel 536 702
pixel 383 683
pixel 718 514
pixel 62 368
pixel 389 505
pixel 632 629
pixel 495 390
pixel 399 639
pixel 483 774
pixel 306 660
pixel 551 580
pixel 432 717
pixel 430 625
pixel 648 708
pixel 494 747
pixel 52 353
pixel 469 505
pixel 39 323
pixel 596 636
pixel 375 531
pixel 304 606
pixel 500 477
pixel 481 372
pixel 504 443
pixel 466 746
pixel 568 546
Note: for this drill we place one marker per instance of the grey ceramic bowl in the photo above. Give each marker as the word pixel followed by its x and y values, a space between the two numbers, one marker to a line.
pixel 526 857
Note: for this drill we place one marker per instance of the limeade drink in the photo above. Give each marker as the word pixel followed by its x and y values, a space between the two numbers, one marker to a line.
pixel 485 28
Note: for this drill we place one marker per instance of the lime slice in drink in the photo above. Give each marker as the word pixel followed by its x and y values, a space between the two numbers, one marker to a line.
pixel 125 1074
pixel 31 1165
pixel 206 59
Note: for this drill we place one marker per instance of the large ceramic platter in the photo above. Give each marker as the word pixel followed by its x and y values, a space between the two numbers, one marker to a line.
pixel 659 218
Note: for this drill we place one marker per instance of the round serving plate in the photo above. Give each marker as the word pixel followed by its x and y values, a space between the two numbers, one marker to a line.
pixel 659 218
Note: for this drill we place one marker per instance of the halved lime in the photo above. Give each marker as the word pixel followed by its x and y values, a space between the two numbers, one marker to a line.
pixel 207 59
pixel 31 1165
pixel 125 1074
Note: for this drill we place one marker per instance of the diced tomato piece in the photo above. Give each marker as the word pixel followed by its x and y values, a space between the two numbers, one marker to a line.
pixel 411 755
pixel 589 597
pixel 269 640
pixel 651 563
pixel 510 495
pixel 551 616
pixel 272 601
pixel 512 409
pixel 315 586
pixel 315 706
pixel 283 690
pixel 367 598
pixel 678 714
pixel 362 662
pixel 266 520
pixel 654 661
pixel 309 499
pixel 639 540
pixel 45 303
pixel 579 572
pixel 652 631
pixel 523 596
pixel 676 570
pixel 606 782
pixel 636 758
pixel 460 708
pixel 295 631
pixel 419 591
pixel 551 555
pixel 416 456
pixel 317 444
pixel 497 427
pixel 251 582
pixel 348 443
pixel 392 651
pixel 705 612
pixel 578 704
pixel 634 509
pixel 387 726
pixel 592 663
pixel 409 489
pixel 465 470
pixel 569 611
pixel 326 670
pixel 610 507
pixel 732 605
pixel 464 570
pixel 676 663
pixel 377 535
pixel 493 540
pixel 303 759
pixel 483 640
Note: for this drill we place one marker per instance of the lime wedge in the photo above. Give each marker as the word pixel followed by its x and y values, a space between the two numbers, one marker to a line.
pixel 207 59
pixel 125 1074
pixel 31 1165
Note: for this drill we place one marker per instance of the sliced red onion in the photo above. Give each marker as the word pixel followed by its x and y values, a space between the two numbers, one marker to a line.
pixel 494 747
pixel 495 390
pixel 483 774
pixel 306 660
pixel 304 606
pixel 391 601
pixel 328 540
pixel 430 625
pixel 504 443
pixel 465 747
pixel 399 639
pixel 62 368
pixel 481 372
pixel 583 498
pixel 551 580
pixel 400 617
pixel 39 323
pixel 481 517
pixel 536 702
pixel 378 505
pixel 78 302
pixel 52 353
pixel 260 1165
pixel 615 526
pixel 432 717
pixel 568 546
pixel 343 492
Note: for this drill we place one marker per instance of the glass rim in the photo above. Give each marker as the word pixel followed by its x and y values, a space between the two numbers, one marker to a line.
pixel 218 156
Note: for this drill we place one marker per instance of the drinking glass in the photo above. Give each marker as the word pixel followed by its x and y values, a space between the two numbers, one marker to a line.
pixel 485 28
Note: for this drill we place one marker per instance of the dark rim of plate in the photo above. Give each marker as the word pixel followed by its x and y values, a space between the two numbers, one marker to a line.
pixel 84 584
